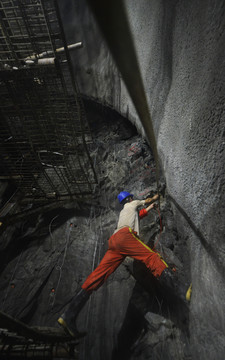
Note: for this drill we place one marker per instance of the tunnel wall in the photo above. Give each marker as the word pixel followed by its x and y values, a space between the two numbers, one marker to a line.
pixel 180 48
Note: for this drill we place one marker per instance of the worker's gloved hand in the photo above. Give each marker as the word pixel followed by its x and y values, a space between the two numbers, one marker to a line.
pixel 150 200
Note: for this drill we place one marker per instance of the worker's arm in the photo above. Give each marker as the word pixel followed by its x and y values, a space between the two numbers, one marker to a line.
pixel 150 207
pixel 144 212
pixel 151 200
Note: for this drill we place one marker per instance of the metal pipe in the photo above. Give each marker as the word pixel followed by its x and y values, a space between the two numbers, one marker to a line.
pixel 50 52
pixel 46 61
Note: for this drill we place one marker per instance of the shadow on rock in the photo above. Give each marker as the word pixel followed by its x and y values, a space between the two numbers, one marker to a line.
pixel 148 297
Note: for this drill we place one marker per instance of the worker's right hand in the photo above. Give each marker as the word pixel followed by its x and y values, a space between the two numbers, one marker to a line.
pixel 155 197
pixel 150 200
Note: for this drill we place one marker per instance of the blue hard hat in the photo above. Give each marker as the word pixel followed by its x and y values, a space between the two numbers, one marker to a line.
pixel 123 195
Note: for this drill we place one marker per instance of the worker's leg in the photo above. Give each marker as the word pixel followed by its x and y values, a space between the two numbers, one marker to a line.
pixel 68 318
pixel 128 243
pixel 107 266
pixel 131 245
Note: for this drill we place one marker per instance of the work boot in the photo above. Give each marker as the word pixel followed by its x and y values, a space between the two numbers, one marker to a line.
pixel 169 281
pixel 68 318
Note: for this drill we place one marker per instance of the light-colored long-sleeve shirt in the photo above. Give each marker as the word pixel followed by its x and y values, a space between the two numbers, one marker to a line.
pixel 129 215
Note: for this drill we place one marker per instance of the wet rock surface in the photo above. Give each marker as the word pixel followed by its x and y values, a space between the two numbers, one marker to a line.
pixel 46 257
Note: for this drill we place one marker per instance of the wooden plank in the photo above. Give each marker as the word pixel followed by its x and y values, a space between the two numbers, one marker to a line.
pixel 44 334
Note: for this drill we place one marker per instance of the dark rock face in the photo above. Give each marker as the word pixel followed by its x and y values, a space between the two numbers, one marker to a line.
pixel 48 256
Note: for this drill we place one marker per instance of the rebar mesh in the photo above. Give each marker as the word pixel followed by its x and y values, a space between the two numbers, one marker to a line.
pixel 43 131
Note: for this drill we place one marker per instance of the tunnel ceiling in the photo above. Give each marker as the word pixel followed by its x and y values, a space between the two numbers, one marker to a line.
pixel 44 133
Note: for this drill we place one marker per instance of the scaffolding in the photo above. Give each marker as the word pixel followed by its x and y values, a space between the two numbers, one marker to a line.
pixel 44 133
pixel 20 341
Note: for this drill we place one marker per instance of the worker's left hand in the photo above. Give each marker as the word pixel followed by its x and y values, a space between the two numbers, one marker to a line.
pixel 151 206
pixel 148 200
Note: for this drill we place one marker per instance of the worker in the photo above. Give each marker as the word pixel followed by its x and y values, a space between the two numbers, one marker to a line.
pixel 124 242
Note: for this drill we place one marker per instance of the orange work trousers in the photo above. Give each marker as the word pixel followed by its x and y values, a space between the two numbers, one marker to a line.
pixel 124 242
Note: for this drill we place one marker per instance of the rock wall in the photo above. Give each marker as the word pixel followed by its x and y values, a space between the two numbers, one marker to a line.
pixel 46 257
pixel 180 47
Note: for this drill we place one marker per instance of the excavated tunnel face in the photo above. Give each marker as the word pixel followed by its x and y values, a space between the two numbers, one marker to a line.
pixel 48 254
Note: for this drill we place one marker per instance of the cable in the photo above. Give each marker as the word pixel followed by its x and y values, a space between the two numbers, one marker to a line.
pixel 13 274
pixel 160 232
pixel 160 221
pixel 59 267
pixel 50 232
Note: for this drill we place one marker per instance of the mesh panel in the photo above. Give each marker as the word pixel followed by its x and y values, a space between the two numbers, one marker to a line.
pixel 43 131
